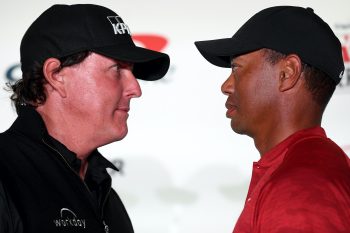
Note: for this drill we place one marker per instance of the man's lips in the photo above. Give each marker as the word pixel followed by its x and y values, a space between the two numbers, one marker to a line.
pixel 124 109
pixel 231 109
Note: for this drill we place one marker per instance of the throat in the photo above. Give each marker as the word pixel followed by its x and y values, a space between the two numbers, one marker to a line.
pixel 83 169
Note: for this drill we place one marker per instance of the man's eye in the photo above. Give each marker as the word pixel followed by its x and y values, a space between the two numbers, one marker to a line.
pixel 116 67
pixel 234 67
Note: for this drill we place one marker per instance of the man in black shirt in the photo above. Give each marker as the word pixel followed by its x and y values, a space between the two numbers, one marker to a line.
pixel 79 69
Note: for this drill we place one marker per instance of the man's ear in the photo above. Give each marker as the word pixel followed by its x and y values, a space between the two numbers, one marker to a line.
pixel 290 72
pixel 53 76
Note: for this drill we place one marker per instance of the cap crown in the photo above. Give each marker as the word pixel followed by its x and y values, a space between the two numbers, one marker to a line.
pixel 296 30
pixel 63 30
pixel 285 29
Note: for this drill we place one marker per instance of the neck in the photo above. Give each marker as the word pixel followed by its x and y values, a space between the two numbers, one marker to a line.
pixel 83 169
pixel 287 124
pixel 293 111
pixel 265 143
pixel 68 133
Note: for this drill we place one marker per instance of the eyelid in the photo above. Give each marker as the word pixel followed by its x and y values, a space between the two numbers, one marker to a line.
pixel 116 65
pixel 234 66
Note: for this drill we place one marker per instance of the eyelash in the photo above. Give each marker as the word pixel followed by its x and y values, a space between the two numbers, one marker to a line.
pixel 116 71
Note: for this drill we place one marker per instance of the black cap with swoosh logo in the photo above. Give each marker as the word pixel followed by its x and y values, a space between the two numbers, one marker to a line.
pixel 285 29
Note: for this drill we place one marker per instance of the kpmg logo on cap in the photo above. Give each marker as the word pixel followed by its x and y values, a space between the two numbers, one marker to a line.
pixel 118 26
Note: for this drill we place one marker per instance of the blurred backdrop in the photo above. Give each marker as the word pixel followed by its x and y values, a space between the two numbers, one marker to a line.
pixel 182 168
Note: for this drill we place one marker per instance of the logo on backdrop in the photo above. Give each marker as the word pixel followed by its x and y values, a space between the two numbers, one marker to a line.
pixel 149 41
pixel 118 26
pixel 342 30
pixel 13 73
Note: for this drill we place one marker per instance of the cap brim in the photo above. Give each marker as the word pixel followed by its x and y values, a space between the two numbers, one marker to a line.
pixel 219 52
pixel 148 64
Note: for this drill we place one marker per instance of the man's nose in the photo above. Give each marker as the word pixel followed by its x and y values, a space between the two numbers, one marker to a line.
pixel 227 87
pixel 133 87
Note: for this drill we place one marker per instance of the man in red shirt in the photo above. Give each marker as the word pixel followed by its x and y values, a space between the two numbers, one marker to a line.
pixel 286 63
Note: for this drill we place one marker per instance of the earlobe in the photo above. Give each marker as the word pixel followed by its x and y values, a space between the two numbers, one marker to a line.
pixel 53 76
pixel 290 72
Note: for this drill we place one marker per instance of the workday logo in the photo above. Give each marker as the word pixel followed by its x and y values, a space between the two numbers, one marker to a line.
pixel 69 219
pixel 119 26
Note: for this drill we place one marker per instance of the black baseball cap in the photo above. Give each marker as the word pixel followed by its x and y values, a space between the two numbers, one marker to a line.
pixel 285 29
pixel 64 30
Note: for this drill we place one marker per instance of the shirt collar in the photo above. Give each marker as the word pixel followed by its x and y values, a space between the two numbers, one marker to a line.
pixel 95 160
pixel 274 154
pixel 30 123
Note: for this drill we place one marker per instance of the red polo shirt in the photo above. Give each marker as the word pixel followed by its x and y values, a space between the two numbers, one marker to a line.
pixel 302 185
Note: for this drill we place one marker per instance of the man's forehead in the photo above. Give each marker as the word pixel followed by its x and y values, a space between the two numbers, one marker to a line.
pixel 102 57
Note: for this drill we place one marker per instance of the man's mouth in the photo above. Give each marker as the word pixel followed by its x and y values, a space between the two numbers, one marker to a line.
pixel 231 109
pixel 124 109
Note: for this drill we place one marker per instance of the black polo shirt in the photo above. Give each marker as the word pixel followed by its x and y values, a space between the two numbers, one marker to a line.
pixel 40 186
pixel 96 178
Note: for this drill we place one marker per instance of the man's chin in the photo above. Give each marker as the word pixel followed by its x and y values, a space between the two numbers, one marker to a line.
pixel 236 128
pixel 122 134
pixel 117 136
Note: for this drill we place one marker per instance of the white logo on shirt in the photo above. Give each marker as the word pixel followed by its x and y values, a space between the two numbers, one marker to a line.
pixel 69 219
